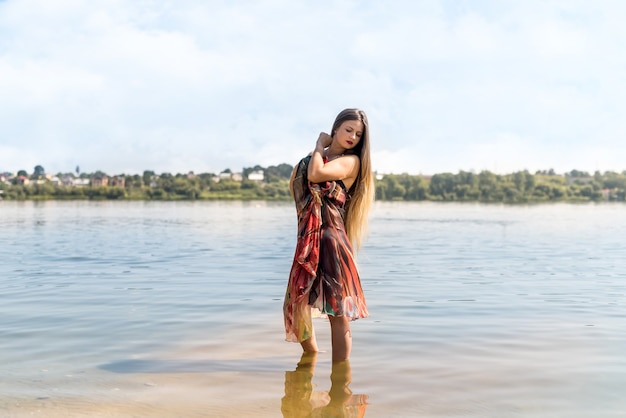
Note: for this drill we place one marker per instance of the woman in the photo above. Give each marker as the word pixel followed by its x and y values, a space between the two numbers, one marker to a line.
pixel 333 189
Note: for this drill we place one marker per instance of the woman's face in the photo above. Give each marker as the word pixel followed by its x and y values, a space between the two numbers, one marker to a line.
pixel 349 133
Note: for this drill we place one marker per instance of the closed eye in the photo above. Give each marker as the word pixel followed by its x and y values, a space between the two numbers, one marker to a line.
pixel 359 134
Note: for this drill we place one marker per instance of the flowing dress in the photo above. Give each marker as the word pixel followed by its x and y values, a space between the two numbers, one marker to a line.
pixel 323 279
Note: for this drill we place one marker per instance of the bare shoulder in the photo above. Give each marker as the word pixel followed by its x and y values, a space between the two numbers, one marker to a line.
pixel 353 160
pixel 353 164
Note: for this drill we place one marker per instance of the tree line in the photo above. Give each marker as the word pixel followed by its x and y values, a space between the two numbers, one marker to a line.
pixel 464 186
pixel 518 187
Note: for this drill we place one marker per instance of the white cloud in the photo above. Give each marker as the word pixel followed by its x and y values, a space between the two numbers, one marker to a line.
pixel 202 86
pixel 554 39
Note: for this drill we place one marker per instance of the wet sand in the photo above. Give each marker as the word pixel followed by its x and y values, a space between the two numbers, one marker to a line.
pixel 213 379
pixel 530 377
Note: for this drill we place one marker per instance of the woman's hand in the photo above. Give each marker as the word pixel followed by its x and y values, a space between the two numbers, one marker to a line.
pixel 324 140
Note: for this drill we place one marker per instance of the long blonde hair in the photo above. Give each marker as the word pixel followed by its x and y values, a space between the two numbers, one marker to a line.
pixel 363 189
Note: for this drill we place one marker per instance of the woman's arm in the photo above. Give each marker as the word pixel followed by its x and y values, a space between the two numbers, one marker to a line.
pixel 344 168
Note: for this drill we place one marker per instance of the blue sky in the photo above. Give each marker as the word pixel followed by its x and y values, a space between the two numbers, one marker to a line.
pixel 174 86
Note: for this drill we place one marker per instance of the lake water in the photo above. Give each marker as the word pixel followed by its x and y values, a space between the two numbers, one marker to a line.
pixel 162 309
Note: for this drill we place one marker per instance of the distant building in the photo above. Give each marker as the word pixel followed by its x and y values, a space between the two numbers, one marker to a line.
pixel 257 175
pixel 80 182
pixel 117 181
pixel 23 180
pixel 99 181
pixel 225 175
pixel 67 181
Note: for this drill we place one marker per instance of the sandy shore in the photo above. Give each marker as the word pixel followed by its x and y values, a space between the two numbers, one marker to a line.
pixel 528 377
pixel 211 379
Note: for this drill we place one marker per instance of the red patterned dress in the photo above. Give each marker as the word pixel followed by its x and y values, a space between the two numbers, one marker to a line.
pixel 324 279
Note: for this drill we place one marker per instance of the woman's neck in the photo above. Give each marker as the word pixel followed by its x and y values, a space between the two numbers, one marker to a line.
pixel 334 152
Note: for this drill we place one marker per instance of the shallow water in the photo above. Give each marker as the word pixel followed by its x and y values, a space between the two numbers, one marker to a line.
pixel 174 309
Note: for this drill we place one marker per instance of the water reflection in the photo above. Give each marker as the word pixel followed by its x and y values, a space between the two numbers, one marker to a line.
pixel 302 401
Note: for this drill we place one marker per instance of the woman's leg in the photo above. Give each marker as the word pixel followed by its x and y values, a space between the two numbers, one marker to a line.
pixel 341 337
pixel 310 345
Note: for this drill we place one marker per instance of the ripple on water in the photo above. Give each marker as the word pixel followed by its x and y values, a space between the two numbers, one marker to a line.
pixel 476 310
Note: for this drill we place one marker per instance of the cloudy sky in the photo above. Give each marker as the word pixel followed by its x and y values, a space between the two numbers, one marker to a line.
pixel 197 85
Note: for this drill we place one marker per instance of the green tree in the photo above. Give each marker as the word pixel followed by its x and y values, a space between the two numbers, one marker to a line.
pixel 489 186
pixel 39 172
pixel 577 173
pixel 442 186
pixel 247 170
pixel 115 193
pixel 394 190
pixel 381 190
pixel 277 173
pixel 415 187
pixel 147 177
pixel 613 180
pixel 226 185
